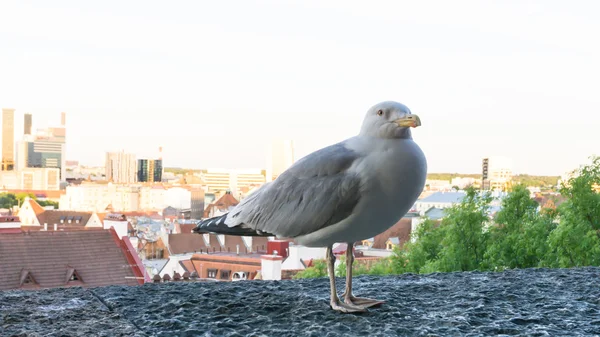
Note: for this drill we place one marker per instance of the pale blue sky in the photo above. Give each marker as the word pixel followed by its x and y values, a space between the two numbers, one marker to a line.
pixel 211 81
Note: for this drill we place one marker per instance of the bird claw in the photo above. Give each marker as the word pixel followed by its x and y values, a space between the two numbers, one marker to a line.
pixel 346 308
pixel 362 301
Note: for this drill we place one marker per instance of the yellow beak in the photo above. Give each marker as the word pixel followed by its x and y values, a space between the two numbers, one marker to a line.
pixel 411 120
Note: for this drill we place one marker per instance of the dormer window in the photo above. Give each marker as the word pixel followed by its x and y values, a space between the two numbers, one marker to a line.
pixel 73 277
pixel 27 280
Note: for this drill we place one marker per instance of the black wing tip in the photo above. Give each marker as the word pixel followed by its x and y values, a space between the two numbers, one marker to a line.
pixel 216 225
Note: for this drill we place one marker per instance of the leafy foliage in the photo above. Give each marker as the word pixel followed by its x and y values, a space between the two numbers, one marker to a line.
pixel 521 235
pixel 519 238
pixel 464 243
pixel 576 240
pixel 8 200
pixel 318 269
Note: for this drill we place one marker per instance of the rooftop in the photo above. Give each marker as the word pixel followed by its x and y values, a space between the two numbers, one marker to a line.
pixel 49 259
pixel 444 197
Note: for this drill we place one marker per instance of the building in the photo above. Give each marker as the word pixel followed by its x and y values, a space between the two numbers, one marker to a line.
pixel 149 170
pixel 31 178
pixel 46 151
pixel 280 156
pixel 221 180
pixel 99 197
pixel 497 173
pixel 441 200
pixel 121 167
pixel 197 202
pixel 91 197
pixel 462 182
pixel 56 259
pixel 27 124
pixel 8 139
pixel 223 205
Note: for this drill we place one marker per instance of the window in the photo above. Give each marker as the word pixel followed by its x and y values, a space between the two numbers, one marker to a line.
pixel 73 276
pixel 27 279
pixel 225 274
pixel 212 273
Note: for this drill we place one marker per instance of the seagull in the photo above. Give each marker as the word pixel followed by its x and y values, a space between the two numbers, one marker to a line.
pixel 343 193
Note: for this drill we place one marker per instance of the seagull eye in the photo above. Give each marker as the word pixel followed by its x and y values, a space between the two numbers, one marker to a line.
pixel 379 112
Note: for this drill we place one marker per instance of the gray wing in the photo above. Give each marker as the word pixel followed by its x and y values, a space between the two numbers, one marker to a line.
pixel 316 192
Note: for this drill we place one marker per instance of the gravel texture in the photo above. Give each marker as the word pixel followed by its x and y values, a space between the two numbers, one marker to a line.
pixel 532 302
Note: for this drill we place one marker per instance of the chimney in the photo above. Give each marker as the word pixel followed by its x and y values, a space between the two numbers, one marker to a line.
pixel 63 118
pixel 45 226
pixel 55 227
pixel 271 267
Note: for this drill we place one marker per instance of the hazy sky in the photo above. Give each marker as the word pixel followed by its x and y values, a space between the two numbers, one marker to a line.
pixel 212 81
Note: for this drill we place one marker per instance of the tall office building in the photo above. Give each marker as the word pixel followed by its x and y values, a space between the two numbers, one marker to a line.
pixel 8 139
pixel 496 173
pixel 121 167
pixel 47 149
pixel 27 124
pixel 280 156
pixel 149 170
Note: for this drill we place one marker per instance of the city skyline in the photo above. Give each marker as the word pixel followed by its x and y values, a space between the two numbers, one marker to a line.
pixel 161 76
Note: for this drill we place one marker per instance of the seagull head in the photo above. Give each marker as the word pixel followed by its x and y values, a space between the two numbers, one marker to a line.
pixel 389 120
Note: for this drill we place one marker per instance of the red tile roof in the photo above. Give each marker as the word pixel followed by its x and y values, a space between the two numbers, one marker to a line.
pixel 51 217
pixel 222 204
pixel 401 230
pixel 186 228
pixel 49 256
pixel 37 209
pixel 186 243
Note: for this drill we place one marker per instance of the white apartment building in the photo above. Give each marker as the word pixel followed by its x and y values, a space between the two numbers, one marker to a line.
pixel 153 198
pixel 218 180
pixel 31 178
pixel 92 197
pixel 121 167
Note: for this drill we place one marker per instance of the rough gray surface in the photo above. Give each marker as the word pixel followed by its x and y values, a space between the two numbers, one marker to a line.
pixel 534 302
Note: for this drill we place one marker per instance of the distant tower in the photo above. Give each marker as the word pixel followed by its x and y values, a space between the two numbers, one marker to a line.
pixel 27 124
pixel 8 139
pixel 497 173
pixel 63 118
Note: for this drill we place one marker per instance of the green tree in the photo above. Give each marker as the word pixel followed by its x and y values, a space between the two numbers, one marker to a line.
pixel 576 240
pixel 45 203
pixel 22 195
pixel 319 269
pixel 8 200
pixel 424 247
pixel 520 234
pixel 465 237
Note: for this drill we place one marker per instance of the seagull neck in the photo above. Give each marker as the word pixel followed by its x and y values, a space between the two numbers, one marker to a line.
pixel 403 133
